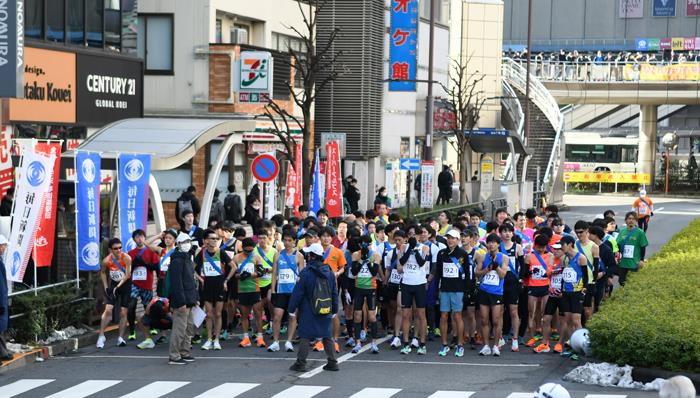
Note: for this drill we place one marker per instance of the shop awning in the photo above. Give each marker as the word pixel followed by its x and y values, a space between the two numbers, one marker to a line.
pixel 171 141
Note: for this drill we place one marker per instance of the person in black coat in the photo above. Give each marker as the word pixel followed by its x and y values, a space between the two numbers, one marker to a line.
pixel 183 297
pixel 5 354
pixel 445 180
pixel 352 194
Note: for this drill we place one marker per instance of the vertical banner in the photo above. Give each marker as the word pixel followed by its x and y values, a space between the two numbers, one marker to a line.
pixel 404 41
pixel 87 196
pixel 33 181
pixel 46 232
pixel 134 172
pixel 663 8
pixel 292 197
pixel 6 169
pixel 427 173
pixel 12 49
pixel 270 204
pixel 486 189
pixel 693 8
pixel 334 194
pixel 631 8
pixel 315 199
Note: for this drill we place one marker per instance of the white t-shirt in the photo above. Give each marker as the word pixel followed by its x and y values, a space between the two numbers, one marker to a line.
pixel 414 274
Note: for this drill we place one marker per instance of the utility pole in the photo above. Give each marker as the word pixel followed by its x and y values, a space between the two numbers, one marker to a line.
pixel 527 78
pixel 428 144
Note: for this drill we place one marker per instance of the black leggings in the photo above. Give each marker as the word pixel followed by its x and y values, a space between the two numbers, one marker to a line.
pixel 643 223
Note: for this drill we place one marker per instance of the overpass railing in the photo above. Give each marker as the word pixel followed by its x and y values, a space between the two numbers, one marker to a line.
pixel 615 71
pixel 516 75
pixel 514 110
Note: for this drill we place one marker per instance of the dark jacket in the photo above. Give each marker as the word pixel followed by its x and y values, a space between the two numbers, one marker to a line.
pixel 445 180
pixel 4 303
pixel 312 326
pixel 352 194
pixel 6 207
pixel 196 208
pixel 252 216
pixel 217 210
pixel 183 290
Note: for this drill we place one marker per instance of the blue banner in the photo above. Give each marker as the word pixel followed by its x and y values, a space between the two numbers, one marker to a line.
pixel 87 194
pixel 663 8
pixel 642 44
pixel 404 41
pixel 315 202
pixel 134 172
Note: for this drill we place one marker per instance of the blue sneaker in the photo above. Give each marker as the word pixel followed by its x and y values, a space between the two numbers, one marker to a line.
pixel 459 352
pixel 350 342
pixel 445 349
pixel 566 353
pixel 224 335
pixel 363 335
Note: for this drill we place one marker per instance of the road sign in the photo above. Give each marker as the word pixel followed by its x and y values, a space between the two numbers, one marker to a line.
pixel 410 164
pixel 265 167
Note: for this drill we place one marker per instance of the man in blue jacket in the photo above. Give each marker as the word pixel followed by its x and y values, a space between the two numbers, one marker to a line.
pixel 312 326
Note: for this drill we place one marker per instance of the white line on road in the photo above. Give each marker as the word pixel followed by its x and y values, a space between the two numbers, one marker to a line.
pixel 452 394
pixel 228 390
pixel 342 359
pixel 21 386
pixel 520 395
pixel 605 396
pixel 676 213
pixel 376 393
pixel 85 389
pixel 301 392
pixel 156 389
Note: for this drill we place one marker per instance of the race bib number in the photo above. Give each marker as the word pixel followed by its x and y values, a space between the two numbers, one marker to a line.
pixel 538 273
pixel 395 277
pixel 209 269
pixel 556 280
pixel 491 279
pixel 117 275
pixel 628 251
pixel 411 269
pixel 364 272
pixel 570 275
pixel 450 270
pixel 164 265
pixel 643 210
pixel 286 276
pixel 139 274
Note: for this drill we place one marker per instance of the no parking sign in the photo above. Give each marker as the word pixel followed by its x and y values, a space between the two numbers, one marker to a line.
pixel 265 167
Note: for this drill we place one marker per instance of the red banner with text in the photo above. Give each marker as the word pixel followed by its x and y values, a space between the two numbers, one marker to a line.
pixel 334 190
pixel 292 197
pixel 6 169
pixel 46 233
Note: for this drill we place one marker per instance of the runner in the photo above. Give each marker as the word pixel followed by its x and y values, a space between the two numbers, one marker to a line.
pixel 450 272
pixel 392 280
pixel 552 309
pixel 604 276
pixel 592 255
pixel 491 269
pixel 540 265
pixel 470 244
pixel 633 244
pixel 165 250
pixel 267 254
pixel 513 281
pixel 231 238
pixel 444 219
pixel 117 289
pixel 214 270
pixel 575 281
pixel 644 208
pixel 144 263
pixel 285 273
pixel 188 227
pixel 157 317
pixel 249 270
pixel 414 265
pixel 365 268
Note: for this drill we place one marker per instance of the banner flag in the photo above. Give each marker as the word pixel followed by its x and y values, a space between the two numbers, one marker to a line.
pixel 292 197
pixel 6 168
pixel 33 180
pixel 315 200
pixel 87 195
pixel 334 190
pixel 134 173
pixel 46 232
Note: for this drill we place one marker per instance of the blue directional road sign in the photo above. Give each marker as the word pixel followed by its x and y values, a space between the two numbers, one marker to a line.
pixel 410 164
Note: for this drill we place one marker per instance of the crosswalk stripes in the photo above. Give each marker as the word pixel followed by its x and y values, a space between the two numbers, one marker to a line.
pixel 85 389
pixel 156 389
pixel 228 390
pixel 376 393
pixel 22 386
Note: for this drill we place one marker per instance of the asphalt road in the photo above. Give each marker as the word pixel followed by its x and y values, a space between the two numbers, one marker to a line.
pixel 253 372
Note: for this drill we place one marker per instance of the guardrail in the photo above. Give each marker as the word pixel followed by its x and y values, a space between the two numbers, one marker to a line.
pixel 607 71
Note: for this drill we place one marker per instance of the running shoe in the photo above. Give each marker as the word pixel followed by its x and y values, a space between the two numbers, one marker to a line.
pixel 363 335
pixel 350 342
pixel 459 352
pixel 154 332
pixel 574 357
pixel 337 346
pixel 395 342
pixel 146 344
pixel 260 342
pixel 217 345
pixel 436 332
pixel 245 342
pixel 132 336
pixel 406 349
pixel 496 352
pixel 318 346
pixel 501 342
pixel 224 335
pixel 101 342
pixel 357 348
pixel 177 362
pixel 542 348
pixel 486 350
pixel 444 350
pixel 472 343
pixel 208 345
pixel 422 350
pixel 196 339
pixel 514 346
pixel 274 347
pixel 555 336
pixel 375 348
pixel 415 343
pixel 289 347
pixel 283 330
pixel 121 342
pixel 161 340
pixel 567 353
pixel 558 348
pixel 531 342
pixel 478 339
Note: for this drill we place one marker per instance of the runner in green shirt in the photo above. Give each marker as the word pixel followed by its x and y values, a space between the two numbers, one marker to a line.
pixel 633 242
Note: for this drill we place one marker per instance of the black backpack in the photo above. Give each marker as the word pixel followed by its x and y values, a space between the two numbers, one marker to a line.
pixel 321 298
pixel 232 207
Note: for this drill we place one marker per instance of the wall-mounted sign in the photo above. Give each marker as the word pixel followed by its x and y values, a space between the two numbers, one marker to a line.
pixel 631 9
pixel 255 77
pixel 11 48
pixel 663 8
pixel 403 46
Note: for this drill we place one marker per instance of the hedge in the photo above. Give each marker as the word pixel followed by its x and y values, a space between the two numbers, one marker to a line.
pixel 654 321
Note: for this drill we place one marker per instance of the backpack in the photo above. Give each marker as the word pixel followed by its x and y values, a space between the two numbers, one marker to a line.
pixel 184 204
pixel 232 207
pixel 321 299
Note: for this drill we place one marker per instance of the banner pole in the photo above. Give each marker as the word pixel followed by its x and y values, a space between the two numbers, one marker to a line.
pixel 75 207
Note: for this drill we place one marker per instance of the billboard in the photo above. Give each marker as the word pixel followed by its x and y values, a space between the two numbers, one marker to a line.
pixel 11 48
pixel 663 8
pixel 403 46
pixel 255 77
pixel 692 8
pixel 631 8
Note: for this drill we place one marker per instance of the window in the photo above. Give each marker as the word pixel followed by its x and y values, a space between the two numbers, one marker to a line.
pixel 55 12
pixel 405 147
pixel 113 24
pixel 155 43
pixel 75 25
pixel 442 10
pixel 94 24
pixel 34 19
pixel 284 43
pixel 218 31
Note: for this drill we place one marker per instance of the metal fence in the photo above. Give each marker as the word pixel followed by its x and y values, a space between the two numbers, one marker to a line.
pixel 605 71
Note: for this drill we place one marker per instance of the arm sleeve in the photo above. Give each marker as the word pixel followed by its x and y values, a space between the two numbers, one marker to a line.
pixel 405 256
pixel 642 252
pixel 355 267
pixel 374 269
pixel 419 258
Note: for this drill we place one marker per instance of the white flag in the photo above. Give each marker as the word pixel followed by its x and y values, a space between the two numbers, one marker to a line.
pixel 33 180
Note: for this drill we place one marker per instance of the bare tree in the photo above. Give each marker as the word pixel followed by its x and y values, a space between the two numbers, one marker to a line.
pixel 316 65
pixel 466 99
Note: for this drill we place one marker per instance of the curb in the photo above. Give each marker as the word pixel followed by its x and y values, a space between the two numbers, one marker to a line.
pixel 647 375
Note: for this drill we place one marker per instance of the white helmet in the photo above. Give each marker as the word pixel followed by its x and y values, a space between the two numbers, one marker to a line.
pixel 551 390
pixel 581 342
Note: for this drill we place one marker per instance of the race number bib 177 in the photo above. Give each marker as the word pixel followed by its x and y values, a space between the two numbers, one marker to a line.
pixel 491 279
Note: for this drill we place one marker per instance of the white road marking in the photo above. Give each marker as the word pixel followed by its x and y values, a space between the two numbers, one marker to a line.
pixel 521 395
pixel 452 394
pixel 85 389
pixel 22 386
pixel 605 396
pixel 200 358
pixel 376 393
pixel 156 389
pixel 228 390
pixel 342 359
pixel 301 392
pixel 676 213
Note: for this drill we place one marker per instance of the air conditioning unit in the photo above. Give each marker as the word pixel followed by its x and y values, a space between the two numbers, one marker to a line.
pixel 239 36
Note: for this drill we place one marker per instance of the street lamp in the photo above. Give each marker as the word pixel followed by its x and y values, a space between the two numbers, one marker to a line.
pixel 670 141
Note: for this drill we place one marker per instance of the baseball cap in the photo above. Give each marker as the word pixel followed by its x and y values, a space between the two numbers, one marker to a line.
pixel 311 232
pixel 314 248
pixel 182 237
pixel 453 233
pixel 3 240
pixel 556 246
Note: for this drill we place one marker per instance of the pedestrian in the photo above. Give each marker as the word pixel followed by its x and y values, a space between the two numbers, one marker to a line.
pixel 252 213
pixel 6 204
pixel 445 180
pixel 233 205
pixel 312 293
pixel 187 202
pixel 352 195
pixel 183 297
pixel 217 208
pixel 382 198
pixel 5 355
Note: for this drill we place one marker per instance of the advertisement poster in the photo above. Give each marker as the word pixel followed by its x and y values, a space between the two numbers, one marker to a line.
pixel 631 8
pixel 6 169
pixel 334 190
pixel 427 184
pixel 134 172
pixel 486 173
pixel 403 35
pixel 692 8
pixel 46 232
pixel 663 8
pixel 87 191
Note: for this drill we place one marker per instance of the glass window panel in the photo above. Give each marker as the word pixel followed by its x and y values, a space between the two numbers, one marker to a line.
pixel 113 28
pixel 112 5
pixel 76 21
pixel 218 31
pixel 141 38
pixel 55 20
pixel 94 23
pixel 159 40
pixel 34 18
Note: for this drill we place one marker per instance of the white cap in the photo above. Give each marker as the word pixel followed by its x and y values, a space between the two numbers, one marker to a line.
pixel 314 248
pixel 182 237
pixel 453 233
pixel 3 240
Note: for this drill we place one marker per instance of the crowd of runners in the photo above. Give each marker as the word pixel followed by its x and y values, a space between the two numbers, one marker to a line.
pixel 522 281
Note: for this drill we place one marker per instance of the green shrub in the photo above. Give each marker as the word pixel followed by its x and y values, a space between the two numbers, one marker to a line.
pixel 654 321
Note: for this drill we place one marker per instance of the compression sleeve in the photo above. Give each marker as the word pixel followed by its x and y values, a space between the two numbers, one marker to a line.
pixel 642 253
pixel 356 267
pixel 374 269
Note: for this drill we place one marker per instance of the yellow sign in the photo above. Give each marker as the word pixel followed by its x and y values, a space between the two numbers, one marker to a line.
pixel 487 165
pixel 607 177
pixel 656 73
pixel 677 43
